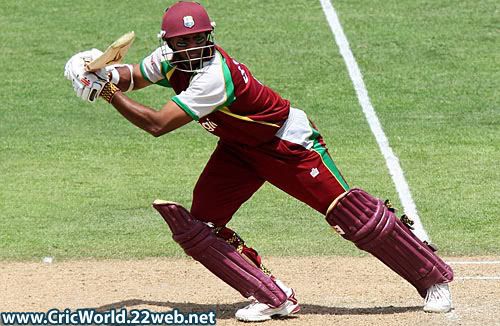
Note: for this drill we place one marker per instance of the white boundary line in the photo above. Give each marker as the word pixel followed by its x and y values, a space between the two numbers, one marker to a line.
pixel 477 262
pixel 391 159
pixel 482 278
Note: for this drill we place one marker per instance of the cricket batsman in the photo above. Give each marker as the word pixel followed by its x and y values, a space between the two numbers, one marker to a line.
pixel 261 138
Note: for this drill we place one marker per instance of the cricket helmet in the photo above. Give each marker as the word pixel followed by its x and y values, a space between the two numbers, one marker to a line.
pixel 183 18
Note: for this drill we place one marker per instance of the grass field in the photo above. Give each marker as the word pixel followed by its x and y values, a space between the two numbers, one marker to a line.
pixel 77 180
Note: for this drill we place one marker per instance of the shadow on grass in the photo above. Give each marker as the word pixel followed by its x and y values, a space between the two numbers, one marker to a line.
pixel 226 311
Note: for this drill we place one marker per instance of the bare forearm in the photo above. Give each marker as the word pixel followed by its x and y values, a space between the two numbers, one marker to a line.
pixel 156 123
pixel 140 115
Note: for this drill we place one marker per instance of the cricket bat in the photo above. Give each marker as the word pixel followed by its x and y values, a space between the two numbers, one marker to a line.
pixel 113 54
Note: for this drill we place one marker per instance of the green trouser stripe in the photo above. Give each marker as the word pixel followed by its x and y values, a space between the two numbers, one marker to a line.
pixel 327 160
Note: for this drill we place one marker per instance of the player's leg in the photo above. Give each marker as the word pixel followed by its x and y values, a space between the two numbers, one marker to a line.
pixel 199 241
pixel 224 185
pixel 371 226
pixel 299 164
pixel 386 237
pixel 257 310
pixel 310 175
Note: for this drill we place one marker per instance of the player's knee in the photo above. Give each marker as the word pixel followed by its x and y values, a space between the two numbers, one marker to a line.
pixel 360 218
pixel 191 234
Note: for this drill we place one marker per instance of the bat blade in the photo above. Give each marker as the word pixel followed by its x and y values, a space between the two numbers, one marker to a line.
pixel 113 54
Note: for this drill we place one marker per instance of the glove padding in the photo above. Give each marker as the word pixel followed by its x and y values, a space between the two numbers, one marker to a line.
pixel 76 64
pixel 87 85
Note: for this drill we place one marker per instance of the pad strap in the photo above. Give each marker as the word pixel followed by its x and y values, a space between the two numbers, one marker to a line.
pixel 222 259
pixel 238 243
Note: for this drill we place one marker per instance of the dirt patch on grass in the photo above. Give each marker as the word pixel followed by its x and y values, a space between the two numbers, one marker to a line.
pixel 331 290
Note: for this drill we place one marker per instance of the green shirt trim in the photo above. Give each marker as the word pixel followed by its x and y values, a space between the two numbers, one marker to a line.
pixel 162 82
pixel 229 85
pixel 185 108
pixel 143 73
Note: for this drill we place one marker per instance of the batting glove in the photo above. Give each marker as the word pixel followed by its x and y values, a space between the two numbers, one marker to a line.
pixel 76 64
pixel 87 85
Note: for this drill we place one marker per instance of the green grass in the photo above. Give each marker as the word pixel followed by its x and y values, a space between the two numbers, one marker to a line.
pixel 432 68
pixel 77 179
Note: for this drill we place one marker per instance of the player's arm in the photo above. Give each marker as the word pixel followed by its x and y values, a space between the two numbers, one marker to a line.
pixel 157 123
pixel 136 76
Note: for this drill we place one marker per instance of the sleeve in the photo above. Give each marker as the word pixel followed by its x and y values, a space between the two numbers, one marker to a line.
pixel 154 68
pixel 208 91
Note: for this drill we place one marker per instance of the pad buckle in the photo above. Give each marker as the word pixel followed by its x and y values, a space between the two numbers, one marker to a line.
pixel 404 218
pixel 388 204
pixel 407 221
pixel 432 246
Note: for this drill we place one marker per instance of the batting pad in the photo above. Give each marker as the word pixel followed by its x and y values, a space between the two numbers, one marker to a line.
pixel 222 259
pixel 365 220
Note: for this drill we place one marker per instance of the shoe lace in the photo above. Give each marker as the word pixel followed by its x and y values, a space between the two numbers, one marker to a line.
pixel 253 303
pixel 436 293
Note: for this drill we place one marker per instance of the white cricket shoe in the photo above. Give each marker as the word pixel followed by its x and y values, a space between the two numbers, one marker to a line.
pixel 438 298
pixel 257 311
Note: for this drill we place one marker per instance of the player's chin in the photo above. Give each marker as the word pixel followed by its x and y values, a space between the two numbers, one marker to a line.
pixel 195 55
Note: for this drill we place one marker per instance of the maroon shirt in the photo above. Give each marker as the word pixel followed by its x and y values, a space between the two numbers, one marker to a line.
pixel 251 114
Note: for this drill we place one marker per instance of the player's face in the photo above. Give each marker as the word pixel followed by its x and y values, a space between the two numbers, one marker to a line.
pixel 189 45
pixel 189 52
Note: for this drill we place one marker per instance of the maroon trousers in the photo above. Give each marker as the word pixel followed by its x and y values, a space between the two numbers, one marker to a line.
pixel 235 172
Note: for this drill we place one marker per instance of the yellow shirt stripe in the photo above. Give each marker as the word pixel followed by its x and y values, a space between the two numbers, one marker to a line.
pixel 225 110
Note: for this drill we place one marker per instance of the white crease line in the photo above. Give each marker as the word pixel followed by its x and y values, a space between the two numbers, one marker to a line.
pixel 391 159
pixel 486 262
pixel 486 278
pixel 453 316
